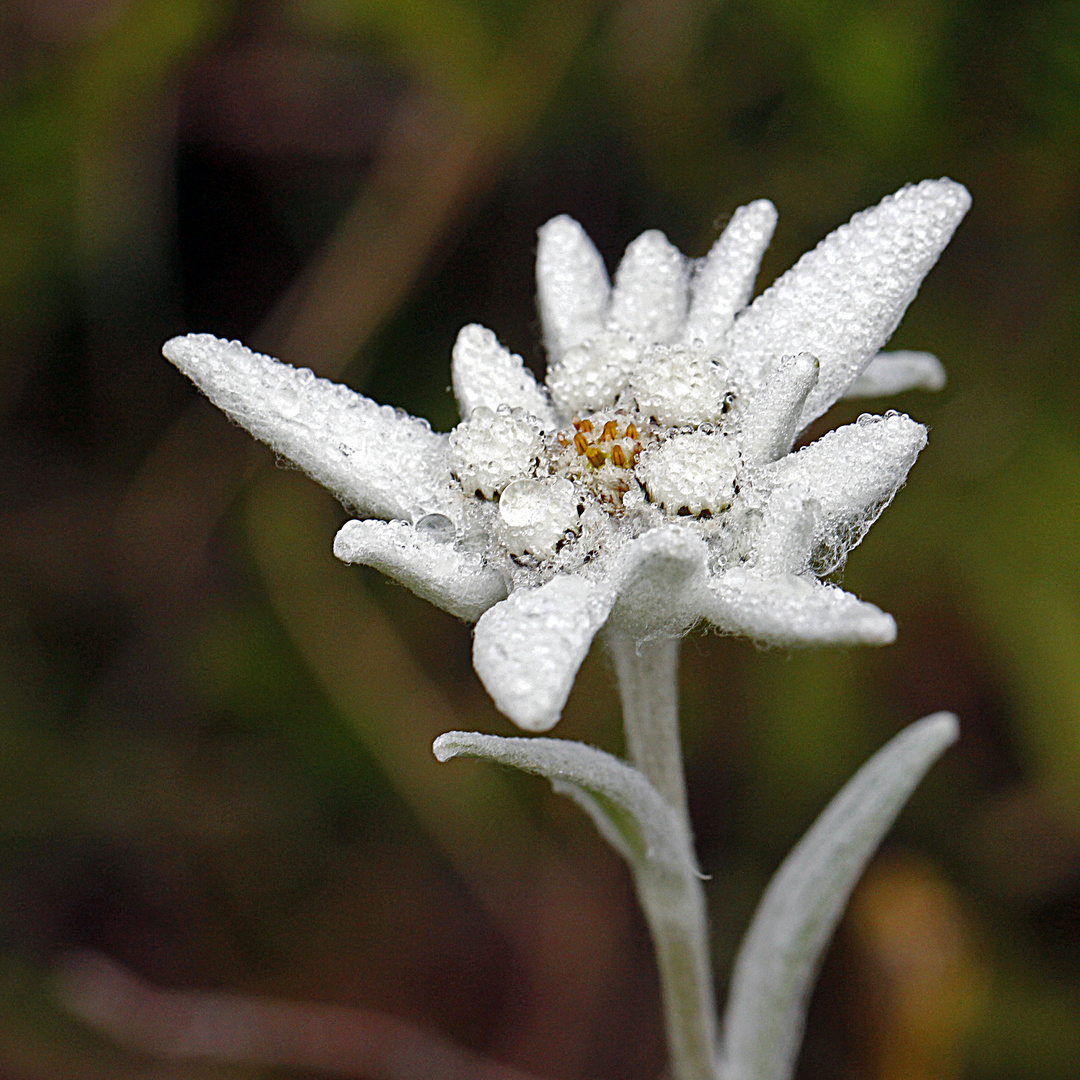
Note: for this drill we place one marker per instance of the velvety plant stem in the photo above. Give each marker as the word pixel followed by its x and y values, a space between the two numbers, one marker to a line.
pixel 674 905
pixel 648 676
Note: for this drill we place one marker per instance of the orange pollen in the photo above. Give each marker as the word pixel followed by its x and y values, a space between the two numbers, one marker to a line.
pixel 631 431
pixel 596 457
pixel 583 425
pixel 618 456
pixel 609 432
pixel 581 441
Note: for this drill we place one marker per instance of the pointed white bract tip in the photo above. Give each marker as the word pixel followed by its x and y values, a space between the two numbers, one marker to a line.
pixel 374 458
pixel 955 198
pixel 527 649
pixel 843 300
pixel 793 610
pixel 424 559
pixel 571 283
pixel 724 280
pixel 486 374
pixel 896 372
pixel 770 419
pixel 762 213
pixel 878 629
pixel 650 293
pixel 853 472
pixel 178 349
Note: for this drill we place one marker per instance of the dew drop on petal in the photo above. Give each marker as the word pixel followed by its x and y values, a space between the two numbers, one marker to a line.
pixel 437 527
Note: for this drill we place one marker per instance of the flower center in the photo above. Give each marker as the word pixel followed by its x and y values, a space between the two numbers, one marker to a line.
pixel 599 454
pixel 559 494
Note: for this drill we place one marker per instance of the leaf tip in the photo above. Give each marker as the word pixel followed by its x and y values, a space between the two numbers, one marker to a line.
pixel 940 728
pixel 447 745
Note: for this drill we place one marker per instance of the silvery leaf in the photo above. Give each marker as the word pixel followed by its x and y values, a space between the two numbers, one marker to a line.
pixel 794 922
pixel 627 809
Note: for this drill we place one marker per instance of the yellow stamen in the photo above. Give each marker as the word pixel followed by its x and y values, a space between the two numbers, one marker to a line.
pixel 618 456
pixel 596 457
pixel 581 441
pixel 608 434
pixel 631 431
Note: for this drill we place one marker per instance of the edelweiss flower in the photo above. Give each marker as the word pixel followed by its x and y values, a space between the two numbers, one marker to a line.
pixel 652 481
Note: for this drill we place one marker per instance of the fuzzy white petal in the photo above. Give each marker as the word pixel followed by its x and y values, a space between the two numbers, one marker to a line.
pixel 692 472
pixel 375 458
pixel 680 384
pixel 785 609
pixel 782 950
pixel 652 833
pixel 492 449
pixel 724 280
pixel 425 562
pixel 853 473
pixel 894 372
pixel 650 293
pixel 842 301
pixel 660 577
pixel 591 375
pixel 571 285
pixel 770 419
pixel 487 374
pixel 527 649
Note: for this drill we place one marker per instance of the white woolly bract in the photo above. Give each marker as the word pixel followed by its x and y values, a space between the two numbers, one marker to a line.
pixel 572 287
pixel 853 474
pixel 487 374
pixel 895 372
pixel 769 420
pixel 660 578
pixel 376 459
pixel 648 300
pixel 424 560
pixel 527 650
pixel 724 280
pixel 789 609
pixel 842 301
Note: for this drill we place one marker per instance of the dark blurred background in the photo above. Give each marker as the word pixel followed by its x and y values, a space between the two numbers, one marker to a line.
pixel 215 763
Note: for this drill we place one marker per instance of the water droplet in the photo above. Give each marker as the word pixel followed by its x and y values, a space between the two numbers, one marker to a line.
pixel 437 527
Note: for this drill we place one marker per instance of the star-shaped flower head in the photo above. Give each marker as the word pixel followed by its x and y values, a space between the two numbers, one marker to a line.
pixel 651 483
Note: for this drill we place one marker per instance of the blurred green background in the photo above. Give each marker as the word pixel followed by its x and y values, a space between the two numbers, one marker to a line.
pixel 215 760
